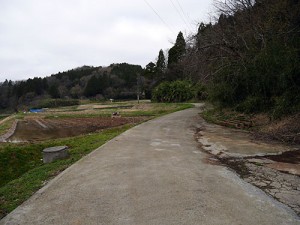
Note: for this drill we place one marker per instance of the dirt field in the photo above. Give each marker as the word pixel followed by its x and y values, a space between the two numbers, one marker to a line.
pixel 38 129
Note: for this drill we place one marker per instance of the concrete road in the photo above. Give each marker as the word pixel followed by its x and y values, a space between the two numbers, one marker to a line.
pixel 153 174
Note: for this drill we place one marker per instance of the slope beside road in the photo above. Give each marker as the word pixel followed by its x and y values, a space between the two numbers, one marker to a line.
pixel 153 174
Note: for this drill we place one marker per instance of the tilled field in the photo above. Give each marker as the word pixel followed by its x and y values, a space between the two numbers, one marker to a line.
pixel 38 129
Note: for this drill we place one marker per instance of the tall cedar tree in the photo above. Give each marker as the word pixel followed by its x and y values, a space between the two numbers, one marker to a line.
pixel 161 63
pixel 177 51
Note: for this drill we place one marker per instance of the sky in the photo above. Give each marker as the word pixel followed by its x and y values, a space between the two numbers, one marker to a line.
pixel 42 37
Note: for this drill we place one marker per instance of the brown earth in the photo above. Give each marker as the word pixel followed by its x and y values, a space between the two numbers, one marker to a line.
pixel 38 129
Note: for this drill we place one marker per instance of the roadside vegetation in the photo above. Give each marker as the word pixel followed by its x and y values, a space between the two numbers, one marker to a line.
pixel 261 125
pixel 22 171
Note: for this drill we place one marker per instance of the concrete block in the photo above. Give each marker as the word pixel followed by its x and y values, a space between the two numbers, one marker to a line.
pixel 54 153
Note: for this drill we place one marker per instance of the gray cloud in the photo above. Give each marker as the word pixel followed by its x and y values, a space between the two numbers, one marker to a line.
pixel 40 37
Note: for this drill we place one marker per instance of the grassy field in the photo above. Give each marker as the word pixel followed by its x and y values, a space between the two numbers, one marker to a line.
pixel 22 172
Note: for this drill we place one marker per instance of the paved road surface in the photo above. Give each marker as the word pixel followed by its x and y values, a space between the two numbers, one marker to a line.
pixel 153 174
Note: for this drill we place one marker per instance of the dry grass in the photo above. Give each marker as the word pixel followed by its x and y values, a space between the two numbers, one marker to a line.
pixel 287 129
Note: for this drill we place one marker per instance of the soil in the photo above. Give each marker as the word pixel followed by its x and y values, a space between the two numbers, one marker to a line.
pixel 38 129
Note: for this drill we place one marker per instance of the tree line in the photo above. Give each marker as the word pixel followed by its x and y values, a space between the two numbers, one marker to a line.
pixel 117 81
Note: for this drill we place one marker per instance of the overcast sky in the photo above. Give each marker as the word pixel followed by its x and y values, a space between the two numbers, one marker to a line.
pixel 42 37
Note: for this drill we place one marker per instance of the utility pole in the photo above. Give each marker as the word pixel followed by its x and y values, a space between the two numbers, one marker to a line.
pixel 138 87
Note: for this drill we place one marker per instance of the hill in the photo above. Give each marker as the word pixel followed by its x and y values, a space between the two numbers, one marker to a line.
pixel 115 81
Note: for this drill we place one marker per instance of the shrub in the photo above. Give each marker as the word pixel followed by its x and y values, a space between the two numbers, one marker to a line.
pixel 288 103
pixel 200 92
pixel 175 91
pixel 52 103
pixel 252 104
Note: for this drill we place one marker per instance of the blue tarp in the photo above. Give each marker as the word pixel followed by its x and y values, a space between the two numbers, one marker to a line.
pixel 36 110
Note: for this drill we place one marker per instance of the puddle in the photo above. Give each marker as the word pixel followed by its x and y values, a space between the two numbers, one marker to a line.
pixel 286 157
pixel 288 162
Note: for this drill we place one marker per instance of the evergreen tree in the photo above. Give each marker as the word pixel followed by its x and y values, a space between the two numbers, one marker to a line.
pixel 150 70
pixel 53 91
pixel 177 51
pixel 92 87
pixel 161 62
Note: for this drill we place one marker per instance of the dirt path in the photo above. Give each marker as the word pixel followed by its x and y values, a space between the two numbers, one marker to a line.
pixel 11 130
pixel 6 119
pixel 153 174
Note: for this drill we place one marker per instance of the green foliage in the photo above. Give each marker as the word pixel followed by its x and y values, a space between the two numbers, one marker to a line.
pixel 53 91
pixel 4 127
pixel 200 91
pixel 268 81
pixel 255 66
pixel 288 103
pixel 35 85
pixel 127 72
pixel 96 85
pixel 15 160
pixel 150 70
pixel 221 93
pixel 176 91
pixel 76 74
pixel 252 104
pixel 115 81
pixel 52 103
pixel 161 63
pixel 177 51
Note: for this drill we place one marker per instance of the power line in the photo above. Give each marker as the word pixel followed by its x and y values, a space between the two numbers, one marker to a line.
pixel 162 20
pixel 183 19
pixel 183 11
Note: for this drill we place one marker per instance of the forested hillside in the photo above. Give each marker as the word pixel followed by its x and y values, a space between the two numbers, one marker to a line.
pixel 115 81
pixel 248 59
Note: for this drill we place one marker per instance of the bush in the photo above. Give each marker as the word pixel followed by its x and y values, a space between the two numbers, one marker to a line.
pixel 221 93
pixel 288 103
pixel 252 104
pixel 52 103
pixel 175 91
pixel 200 92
